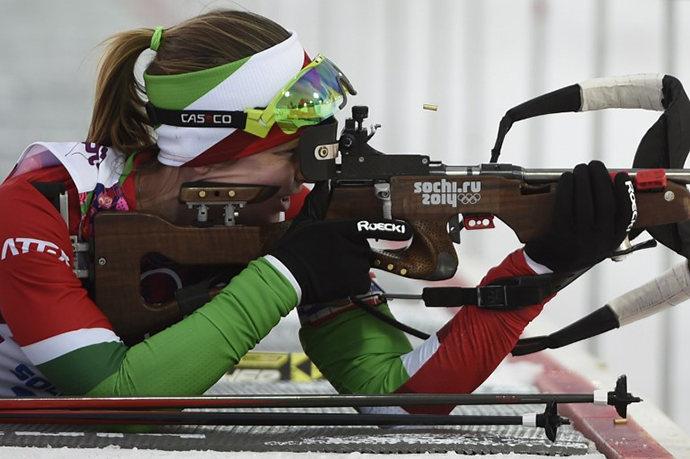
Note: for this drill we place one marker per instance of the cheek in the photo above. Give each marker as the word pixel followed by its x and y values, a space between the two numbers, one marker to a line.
pixel 277 173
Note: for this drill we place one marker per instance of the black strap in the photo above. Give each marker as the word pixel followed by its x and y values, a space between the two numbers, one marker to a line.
pixel 390 320
pixel 596 323
pixel 196 118
pixel 51 191
pixel 666 145
pixel 503 294
pixel 192 297
pixel 562 100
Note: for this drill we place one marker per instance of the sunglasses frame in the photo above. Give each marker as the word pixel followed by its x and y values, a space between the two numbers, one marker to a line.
pixel 260 121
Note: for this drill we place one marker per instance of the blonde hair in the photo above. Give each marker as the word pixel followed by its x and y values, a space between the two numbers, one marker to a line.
pixel 119 117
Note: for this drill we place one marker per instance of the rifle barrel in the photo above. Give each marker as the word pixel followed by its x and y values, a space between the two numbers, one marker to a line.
pixel 550 175
pixel 541 175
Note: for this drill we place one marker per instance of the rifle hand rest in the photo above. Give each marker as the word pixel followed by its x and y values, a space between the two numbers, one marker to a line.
pixel 431 255
pixel 213 192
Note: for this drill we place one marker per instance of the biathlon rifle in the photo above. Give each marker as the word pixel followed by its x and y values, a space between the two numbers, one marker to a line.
pixel 437 200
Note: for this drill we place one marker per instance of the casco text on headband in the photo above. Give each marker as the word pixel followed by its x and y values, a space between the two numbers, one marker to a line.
pixel 318 91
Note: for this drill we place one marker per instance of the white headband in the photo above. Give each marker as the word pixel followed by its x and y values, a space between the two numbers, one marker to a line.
pixel 254 84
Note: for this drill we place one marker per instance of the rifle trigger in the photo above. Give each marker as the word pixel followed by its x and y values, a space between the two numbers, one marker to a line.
pixel 454 228
pixel 383 192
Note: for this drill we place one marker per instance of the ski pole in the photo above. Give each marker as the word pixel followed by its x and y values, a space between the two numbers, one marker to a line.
pixel 619 398
pixel 549 420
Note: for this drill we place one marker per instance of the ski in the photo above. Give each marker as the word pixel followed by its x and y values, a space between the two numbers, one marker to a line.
pixel 549 420
pixel 620 398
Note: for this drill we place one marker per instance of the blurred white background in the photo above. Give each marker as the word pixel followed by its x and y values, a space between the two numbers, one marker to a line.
pixel 475 59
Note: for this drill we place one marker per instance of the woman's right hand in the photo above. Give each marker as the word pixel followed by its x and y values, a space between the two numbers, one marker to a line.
pixel 331 259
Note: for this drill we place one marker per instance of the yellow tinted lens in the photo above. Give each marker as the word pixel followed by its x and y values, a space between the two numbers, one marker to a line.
pixel 314 97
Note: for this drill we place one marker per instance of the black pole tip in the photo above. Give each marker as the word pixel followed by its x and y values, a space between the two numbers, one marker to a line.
pixel 621 398
pixel 551 421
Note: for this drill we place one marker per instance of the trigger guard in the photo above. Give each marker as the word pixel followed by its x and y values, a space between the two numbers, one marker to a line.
pixel 446 266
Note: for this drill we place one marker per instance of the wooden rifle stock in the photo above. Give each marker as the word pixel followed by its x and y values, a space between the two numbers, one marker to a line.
pixel 122 240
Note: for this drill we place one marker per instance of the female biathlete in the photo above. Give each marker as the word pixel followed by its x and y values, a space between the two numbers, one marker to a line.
pixel 55 340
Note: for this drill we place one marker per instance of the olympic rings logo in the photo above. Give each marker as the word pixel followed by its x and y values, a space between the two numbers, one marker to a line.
pixel 469 198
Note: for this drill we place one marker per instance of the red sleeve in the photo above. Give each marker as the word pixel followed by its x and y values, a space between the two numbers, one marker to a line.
pixel 40 296
pixel 475 340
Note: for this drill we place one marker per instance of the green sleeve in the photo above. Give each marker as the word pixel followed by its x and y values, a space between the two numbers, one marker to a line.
pixel 358 353
pixel 190 356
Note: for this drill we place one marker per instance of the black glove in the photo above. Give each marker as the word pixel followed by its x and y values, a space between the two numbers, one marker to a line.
pixel 330 259
pixel 315 204
pixel 591 218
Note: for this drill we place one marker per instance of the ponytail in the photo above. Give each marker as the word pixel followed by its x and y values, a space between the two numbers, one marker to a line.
pixel 119 117
pixel 215 38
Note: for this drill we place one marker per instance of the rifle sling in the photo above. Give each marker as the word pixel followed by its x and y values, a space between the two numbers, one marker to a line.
pixel 503 294
pixel 192 297
pixel 51 191
pixel 390 320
